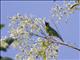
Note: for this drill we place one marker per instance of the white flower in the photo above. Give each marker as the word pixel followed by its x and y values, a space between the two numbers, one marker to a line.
pixel 30 58
pixel 3 44
pixel 15 44
pixel 18 57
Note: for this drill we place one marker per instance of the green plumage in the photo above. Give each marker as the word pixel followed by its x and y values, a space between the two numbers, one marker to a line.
pixel 52 31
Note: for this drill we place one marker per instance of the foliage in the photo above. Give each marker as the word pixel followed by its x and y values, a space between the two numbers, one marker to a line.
pixel 1 26
pixel 4 44
pixel 64 10
pixel 5 58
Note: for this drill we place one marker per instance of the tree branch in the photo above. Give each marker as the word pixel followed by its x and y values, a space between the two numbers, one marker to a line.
pixel 61 43
pixel 69 46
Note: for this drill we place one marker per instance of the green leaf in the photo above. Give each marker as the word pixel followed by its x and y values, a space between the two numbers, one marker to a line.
pixel 9 40
pixel 5 58
pixel 1 26
pixel 6 43
pixel 43 54
pixel 3 49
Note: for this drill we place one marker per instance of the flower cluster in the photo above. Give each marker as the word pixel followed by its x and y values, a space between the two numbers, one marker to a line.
pixel 30 34
pixel 64 10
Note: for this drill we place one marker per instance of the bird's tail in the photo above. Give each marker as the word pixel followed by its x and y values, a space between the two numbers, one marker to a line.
pixel 61 39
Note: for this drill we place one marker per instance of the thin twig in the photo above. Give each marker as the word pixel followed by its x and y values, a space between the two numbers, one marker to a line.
pixel 69 46
pixel 61 43
pixel 73 6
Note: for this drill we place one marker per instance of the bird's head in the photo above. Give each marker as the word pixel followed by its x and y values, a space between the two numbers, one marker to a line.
pixel 46 23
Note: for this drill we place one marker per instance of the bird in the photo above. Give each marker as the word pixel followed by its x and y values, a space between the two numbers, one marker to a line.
pixel 52 32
